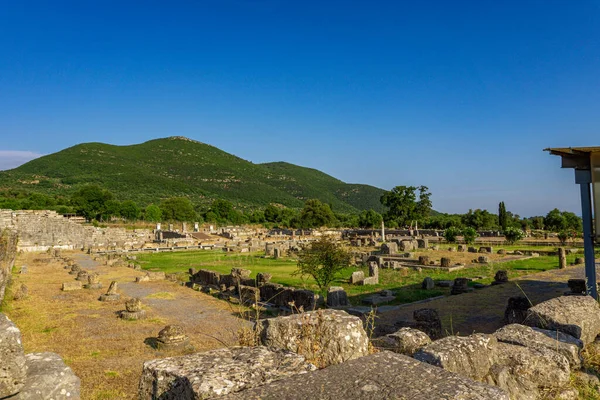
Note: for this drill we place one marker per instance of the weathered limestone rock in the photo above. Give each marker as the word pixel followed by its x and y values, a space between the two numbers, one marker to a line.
pixel 428 321
pixel 423 260
pixel 325 337
pixel 428 283
pixel 461 285
pixel 69 286
pixel 470 356
pixel 217 373
pixel 405 341
pixel 462 248
pixel 206 277
pixel 337 297
pixel 172 336
pixel 500 277
pixel 133 310
pixel 472 249
pixel 75 269
pixel 249 295
pixel 48 378
pixel 357 277
pixel 263 277
pixel 82 276
pixel 111 294
pixel 525 336
pixel 374 270
pixel 93 282
pixel 561 337
pixel 516 310
pixel 304 299
pixel 445 262
pixel 578 316
pixel 371 280
pixel 487 250
pixel 422 243
pixel 483 259
pixel 240 273
pixel 384 296
pixel 522 371
pixel 383 375
pixel 13 367
pixel 579 260
pixel 406 245
pixel 156 276
pixel 501 252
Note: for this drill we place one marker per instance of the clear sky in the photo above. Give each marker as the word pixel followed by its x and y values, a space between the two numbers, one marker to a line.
pixel 460 96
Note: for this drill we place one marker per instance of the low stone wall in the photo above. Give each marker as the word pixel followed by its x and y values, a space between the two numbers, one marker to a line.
pixel 8 254
pixel 39 230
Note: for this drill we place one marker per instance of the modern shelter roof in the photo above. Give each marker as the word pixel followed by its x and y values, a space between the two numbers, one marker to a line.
pixel 574 157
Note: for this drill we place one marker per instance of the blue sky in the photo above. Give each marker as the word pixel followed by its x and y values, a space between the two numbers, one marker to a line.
pixel 459 96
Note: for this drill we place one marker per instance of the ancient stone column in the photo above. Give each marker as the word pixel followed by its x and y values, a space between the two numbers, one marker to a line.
pixel 562 258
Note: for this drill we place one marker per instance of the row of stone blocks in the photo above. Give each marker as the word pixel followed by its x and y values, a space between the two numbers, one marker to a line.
pixel 516 362
pixel 32 376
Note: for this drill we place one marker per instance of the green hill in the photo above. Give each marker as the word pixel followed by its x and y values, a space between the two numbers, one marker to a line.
pixel 176 166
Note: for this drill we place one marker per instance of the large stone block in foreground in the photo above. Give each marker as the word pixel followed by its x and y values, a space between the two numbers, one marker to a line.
pixel 378 376
pixel 13 368
pixel 324 337
pixel 578 316
pixel 48 378
pixel 217 372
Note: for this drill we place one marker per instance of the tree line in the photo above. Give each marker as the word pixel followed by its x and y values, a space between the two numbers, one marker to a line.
pixel 405 205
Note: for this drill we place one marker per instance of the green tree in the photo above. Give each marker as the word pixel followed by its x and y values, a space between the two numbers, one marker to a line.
pixel 178 209
pixel 480 219
pixel 502 217
pixel 153 213
pixel 315 214
pixel 369 219
pixel 404 206
pixel 90 201
pixel 130 210
pixel 323 260
pixel 555 221
pixel 469 235
pixel 451 234
pixel 513 235
pixel 272 213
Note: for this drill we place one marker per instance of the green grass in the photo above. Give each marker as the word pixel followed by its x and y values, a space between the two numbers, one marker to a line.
pixel 407 284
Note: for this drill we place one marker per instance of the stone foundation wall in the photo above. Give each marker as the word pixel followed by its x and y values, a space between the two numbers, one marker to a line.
pixel 8 253
pixel 39 230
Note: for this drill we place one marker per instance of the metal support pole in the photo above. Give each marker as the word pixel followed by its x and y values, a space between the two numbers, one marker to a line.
pixel 583 178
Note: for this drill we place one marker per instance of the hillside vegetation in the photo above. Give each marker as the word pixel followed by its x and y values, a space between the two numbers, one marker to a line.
pixel 176 166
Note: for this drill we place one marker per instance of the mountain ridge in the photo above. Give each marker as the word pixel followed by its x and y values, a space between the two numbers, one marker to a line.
pixel 178 166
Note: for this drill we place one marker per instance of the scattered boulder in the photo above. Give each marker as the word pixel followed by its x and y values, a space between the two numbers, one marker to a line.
pixel 13 368
pixel 384 296
pixel 578 316
pixel 525 336
pixel 21 292
pixel 483 259
pixel 324 337
pixel 82 276
pixel 462 248
pixel 133 310
pixel 263 278
pixel 49 378
pixel 445 262
pixel 579 260
pixel 470 356
pixel 405 341
pixel 428 320
pixel 249 295
pixel 423 260
pixel 389 248
pixel 93 282
pixel 428 284
pixel 217 372
pixel 500 277
pixel 461 285
pixel 337 297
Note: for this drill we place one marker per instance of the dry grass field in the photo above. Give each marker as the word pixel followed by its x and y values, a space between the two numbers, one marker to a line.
pixel 106 352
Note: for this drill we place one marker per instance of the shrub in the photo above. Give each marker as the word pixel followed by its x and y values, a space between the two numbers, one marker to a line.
pixel 451 234
pixel 513 235
pixel 469 234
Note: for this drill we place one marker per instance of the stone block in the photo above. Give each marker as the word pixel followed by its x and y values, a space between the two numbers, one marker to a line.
pixel 69 286
pixel 357 277
pixel 405 341
pixel 217 373
pixel 249 295
pixel 325 337
pixel 13 364
pixel 578 316
pixel 48 378
pixel 428 284
pixel 337 297
pixel 469 356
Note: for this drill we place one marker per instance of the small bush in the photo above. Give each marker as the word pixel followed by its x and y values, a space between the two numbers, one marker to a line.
pixel 513 235
pixel 451 234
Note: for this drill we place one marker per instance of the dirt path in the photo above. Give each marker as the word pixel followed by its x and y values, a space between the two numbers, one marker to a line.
pixel 483 309
pixel 106 352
